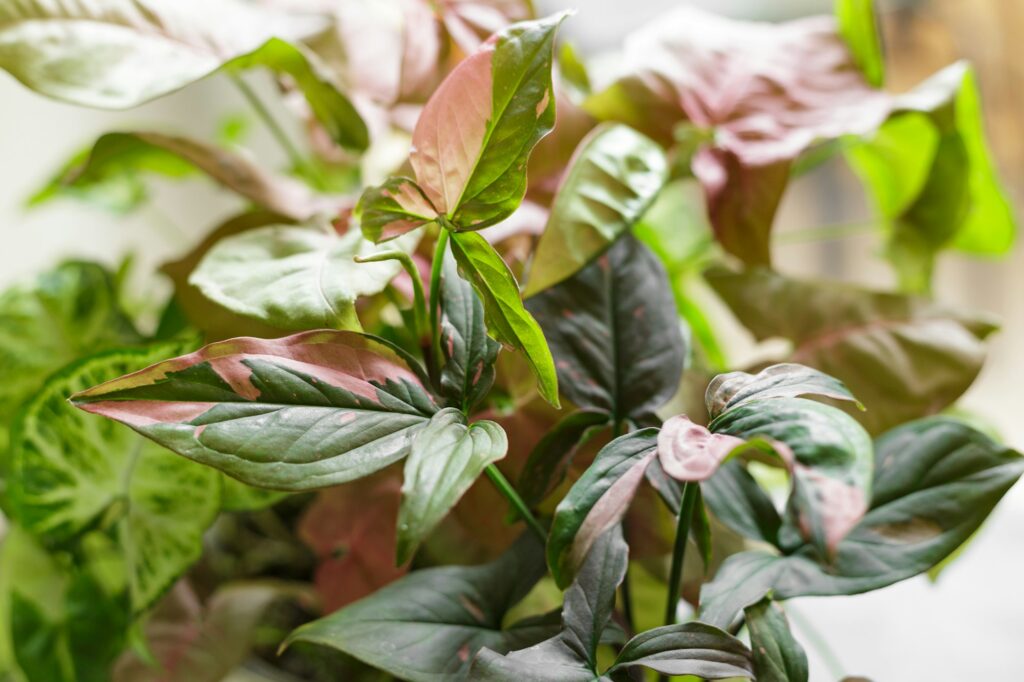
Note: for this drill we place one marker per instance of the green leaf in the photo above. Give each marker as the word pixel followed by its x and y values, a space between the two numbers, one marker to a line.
pixel 738 501
pixel 493 108
pixel 570 655
pixel 936 480
pixel 859 28
pixel 903 357
pixel 125 52
pixel 335 112
pixel 832 458
pixel 445 459
pixel 778 657
pixel 293 277
pixel 392 209
pixel 686 649
pixel 237 496
pixel 550 458
pixel 427 626
pixel 612 179
pixel 297 413
pixel 787 380
pixel 614 331
pixel 110 174
pixel 505 315
pixel 958 202
pixel 469 353
pixel 598 501
pixel 73 471
pixel 64 314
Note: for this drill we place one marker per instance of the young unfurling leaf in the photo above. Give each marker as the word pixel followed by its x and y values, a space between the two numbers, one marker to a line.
pixel 298 413
pixel 474 137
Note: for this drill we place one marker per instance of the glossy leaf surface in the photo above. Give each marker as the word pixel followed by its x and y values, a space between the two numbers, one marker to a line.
pixel 778 657
pixel 903 357
pixel 506 317
pixel 427 626
pixel 686 649
pixel 598 501
pixel 613 177
pixel 298 413
pixel 72 470
pixel 614 332
pixel 295 278
pixel 445 459
pixel 125 52
pixel 936 480
pixel 469 353
pixel 787 380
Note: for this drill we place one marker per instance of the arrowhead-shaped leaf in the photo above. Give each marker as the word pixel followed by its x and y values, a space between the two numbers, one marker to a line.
pixel 903 357
pixel 298 413
pixel 614 332
pixel 505 315
pixel 72 470
pixel 64 314
pixel 598 501
pixel 468 351
pixel 121 53
pixel 473 138
pixel 445 459
pixel 613 177
pixel 293 277
pixel 110 174
pixel 832 459
pixel 936 480
pixel 427 626
pixel 759 93
pixel 778 657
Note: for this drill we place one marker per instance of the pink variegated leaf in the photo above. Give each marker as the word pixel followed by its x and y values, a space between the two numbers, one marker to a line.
pixel 474 137
pixel 392 209
pixel 689 452
pixel 297 413
pixel 469 22
pixel 764 93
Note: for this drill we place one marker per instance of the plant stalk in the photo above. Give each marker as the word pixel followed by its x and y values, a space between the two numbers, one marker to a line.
pixel 435 300
pixel 502 484
pixel 690 491
pixel 419 304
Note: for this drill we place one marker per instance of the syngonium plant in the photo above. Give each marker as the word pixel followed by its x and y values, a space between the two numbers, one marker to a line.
pixel 167 529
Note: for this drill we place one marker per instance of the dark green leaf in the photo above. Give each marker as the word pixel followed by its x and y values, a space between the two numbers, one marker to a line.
pixel 614 331
pixel 736 499
pixel 550 458
pixel 686 649
pixel 778 657
pixel 469 352
pixel 833 463
pixel 902 357
pixel 445 458
pixel 612 179
pixel 295 278
pixel 936 480
pixel 427 626
pixel 859 28
pixel 597 501
pixel 302 412
pixel 506 317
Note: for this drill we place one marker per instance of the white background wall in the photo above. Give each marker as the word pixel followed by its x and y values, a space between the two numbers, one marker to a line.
pixel 969 626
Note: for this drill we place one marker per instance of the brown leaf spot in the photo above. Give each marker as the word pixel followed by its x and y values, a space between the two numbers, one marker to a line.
pixel 473 608
pixel 914 530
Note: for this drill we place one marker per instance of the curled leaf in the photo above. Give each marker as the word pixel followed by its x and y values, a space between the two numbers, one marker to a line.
pixel 689 452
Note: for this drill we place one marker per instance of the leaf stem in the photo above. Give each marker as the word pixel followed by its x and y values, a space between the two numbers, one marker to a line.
pixel 294 155
pixel 824 232
pixel 435 301
pixel 502 484
pixel 690 491
pixel 419 304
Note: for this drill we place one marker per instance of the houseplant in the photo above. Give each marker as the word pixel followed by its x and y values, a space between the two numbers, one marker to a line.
pixel 353 446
